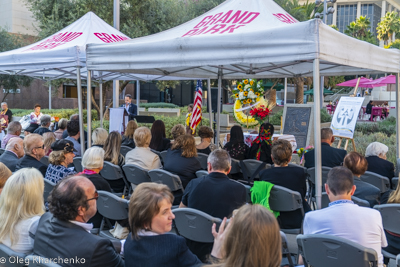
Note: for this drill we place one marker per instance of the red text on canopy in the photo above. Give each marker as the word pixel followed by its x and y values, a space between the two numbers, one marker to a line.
pixel 56 40
pixel 110 38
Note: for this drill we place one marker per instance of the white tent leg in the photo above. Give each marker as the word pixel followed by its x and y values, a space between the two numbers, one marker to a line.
pixel 285 93
pixel 219 104
pixel 81 129
pixel 49 94
pixel 89 109
pixel 317 135
pixel 137 95
pixel 209 102
pixel 115 94
pixel 397 115
pixel 101 102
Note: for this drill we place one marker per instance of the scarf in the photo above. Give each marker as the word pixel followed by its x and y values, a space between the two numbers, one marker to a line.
pixel 265 136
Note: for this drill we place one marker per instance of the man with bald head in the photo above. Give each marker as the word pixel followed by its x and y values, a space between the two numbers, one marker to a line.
pixel 14 151
pixel 34 151
pixel 64 232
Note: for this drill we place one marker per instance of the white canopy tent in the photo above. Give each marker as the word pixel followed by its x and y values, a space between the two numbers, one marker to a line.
pixel 252 39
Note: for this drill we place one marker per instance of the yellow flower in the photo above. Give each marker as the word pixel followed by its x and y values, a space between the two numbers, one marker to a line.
pixel 251 89
pixel 257 94
pixel 251 82
pixel 239 87
pixel 246 81
pixel 245 93
pixel 236 95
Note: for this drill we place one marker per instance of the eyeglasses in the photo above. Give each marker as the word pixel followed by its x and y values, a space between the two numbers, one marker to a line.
pixel 96 196
pixel 42 147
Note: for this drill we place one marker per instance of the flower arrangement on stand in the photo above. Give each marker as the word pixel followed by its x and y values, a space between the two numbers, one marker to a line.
pixel 301 151
pixel 260 113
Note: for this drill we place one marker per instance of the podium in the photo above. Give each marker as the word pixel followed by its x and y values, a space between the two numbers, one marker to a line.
pixel 119 119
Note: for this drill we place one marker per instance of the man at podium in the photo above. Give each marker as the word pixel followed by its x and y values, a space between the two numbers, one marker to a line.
pixel 129 107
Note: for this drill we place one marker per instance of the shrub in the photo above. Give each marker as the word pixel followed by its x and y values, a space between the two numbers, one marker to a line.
pixel 387 127
pixel 158 105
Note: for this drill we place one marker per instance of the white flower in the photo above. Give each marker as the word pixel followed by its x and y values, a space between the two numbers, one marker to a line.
pixel 252 95
pixel 247 86
pixel 241 96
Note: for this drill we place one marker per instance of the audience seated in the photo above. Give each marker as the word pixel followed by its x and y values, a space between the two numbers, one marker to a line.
pixel 61 156
pixel 181 159
pixel 14 151
pixel 21 205
pixel 331 157
pixel 62 126
pixel 64 231
pixel 368 109
pixel 74 117
pixel 177 131
pixel 112 148
pixel 127 138
pixel 357 164
pixel 293 178
pixel 14 130
pixel 74 133
pixel 5 173
pixel 48 139
pixel 45 122
pixel 92 163
pixel 376 158
pixel 345 219
pixel 261 146
pixel 150 220
pixel 34 151
pixel 206 135
pixel 214 194
pixel 252 238
pixel 236 147
pixel 159 142
pixel 99 137
pixel 141 155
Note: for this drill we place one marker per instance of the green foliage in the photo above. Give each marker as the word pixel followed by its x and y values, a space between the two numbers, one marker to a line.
pixel 158 105
pixel 395 44
pixel 360 29
pixel 388 25
pixel 325 117
pixel 300 12
pixel 387 127
pixel 161 85
pixel 275 118
pixel 333 26
pixel 61 113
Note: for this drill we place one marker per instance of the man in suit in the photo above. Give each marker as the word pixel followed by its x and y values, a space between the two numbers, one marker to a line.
pixel 14 130
pixel 64 232
pixel 45 122
pixel 331 157
pixel 34 151
pixel 14 151
pixel 129 107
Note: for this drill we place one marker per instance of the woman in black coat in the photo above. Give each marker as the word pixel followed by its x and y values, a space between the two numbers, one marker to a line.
pixel 261 147
pixel 159 142
pixel 236 147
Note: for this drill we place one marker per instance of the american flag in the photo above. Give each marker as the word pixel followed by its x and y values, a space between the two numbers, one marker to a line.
pixel 196 114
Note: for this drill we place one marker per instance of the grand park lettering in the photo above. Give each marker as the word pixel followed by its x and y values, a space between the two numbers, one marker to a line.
pixel 56 40
pixel 110 38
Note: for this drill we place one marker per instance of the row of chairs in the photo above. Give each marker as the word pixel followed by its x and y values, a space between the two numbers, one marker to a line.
pixel 10 258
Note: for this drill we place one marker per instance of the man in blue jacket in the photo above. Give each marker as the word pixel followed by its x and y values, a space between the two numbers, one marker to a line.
pixel 129 107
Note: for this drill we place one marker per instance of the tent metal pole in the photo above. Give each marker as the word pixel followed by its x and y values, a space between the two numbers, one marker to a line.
pixel 321 93
pixel 317 135
pixel 219 104
pixel 397 115
pixel 49 94
pixel 115 93
pixel 137 95
pixel 101 100
pixel 285 93
pixel 89 108
pixel 81 129
pixel 209 102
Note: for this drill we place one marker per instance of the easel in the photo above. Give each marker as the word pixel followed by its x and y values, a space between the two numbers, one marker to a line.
pixel 347 142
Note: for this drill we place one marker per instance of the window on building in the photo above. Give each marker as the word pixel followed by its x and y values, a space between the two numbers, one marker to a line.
pixel 373 13
pixel 345 15
pixel 70 91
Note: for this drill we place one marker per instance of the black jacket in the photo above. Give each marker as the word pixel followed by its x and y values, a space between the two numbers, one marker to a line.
pixel 30 162
pixel 56 239
pixel 367 192
pixel 41 130
pixel 9 159
pixel 380 166
pixel 132 110
pixel 265 153
pixel 128 142
pixel 331 157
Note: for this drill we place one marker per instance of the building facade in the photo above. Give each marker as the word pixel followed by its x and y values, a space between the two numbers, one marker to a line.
pixel 15 17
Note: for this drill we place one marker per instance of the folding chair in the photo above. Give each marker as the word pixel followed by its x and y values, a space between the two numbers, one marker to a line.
pixel 163 154
pixel 324 200
pixel 156 152
pixel 45 160
pixel 37 261
pixel 390 219
pixel 311 183
pixel 248 192
pixel 48 186
pixel 360 202
pixel 2 150
pixel 7 253
pixel 286 256
pixel 201 173
pixel 135 175
pixel 284 199
pixel 203 160
pixel 398 260
pixel 383 183
pixel 78 164
pixel 164 177
pixel 296 165
pixel 395 182
pixel 114 172
pixel 333 251
pixel 251 169
pixel 375 113
pixel 195 225
pixel 124 150
pixel 235 164
pixel 111 207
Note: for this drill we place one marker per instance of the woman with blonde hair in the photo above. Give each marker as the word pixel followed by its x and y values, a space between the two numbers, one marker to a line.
pixel 21 205
pixel 99 137
pixel 127 138
pixel 62 126
pixel 252 238
pixel 49 138
pixel 112 154
pixel 5 173
pixel 181 159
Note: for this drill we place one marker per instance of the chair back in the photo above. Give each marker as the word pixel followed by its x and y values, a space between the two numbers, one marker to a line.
pixel 156 152
pixel 203 160
pixel 164 177
pixel 48 186
pixel 2 150
pixel 360 202
pixel 195 225
pixel 248 192
pixel 376 111
pixel 45 160
pixel 6 253
pixel 296 165
pixel 332 251
pixel 324 200
pixel 78 164
pixel 382 182
pixel 311 175
pixel 124 150
pixel 235 166
pixel 135 174
pixel 37 261
pixel 111 206
pixel 390 217
pixel 201 173
pixel 395 182
pixel 252 167
pixel 163 155
pixel 111 171
pixel 284 199
pixel 285 250
pixel 398 260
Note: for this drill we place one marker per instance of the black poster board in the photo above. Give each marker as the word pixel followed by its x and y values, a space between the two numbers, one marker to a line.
pixel 297 122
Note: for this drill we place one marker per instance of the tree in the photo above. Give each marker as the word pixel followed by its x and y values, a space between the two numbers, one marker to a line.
pixel 8 42
pixel 388 25
pixel 360 29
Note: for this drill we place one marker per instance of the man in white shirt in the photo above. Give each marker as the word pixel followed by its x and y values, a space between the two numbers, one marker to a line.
pixel 345 219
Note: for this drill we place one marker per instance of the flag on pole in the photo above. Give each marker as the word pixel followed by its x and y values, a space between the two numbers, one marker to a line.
pixel 196 113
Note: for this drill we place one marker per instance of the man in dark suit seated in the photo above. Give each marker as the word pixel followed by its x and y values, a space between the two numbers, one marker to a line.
pixel 130 107
pixel 64 232
pixel 34 151
pixel 331 157
pixel 45 122
pixel 14 151
pixel 293 178
pixel 214 194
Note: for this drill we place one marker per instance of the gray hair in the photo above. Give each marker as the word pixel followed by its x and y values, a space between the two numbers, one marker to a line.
pixel 45 120
pixel 62 124
pixel 219 160
pixel 99 136
pixel 376 149
pixel 14 127
pixel 14 141
pixel 93 158
pixel 4 103
pixel 326 133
